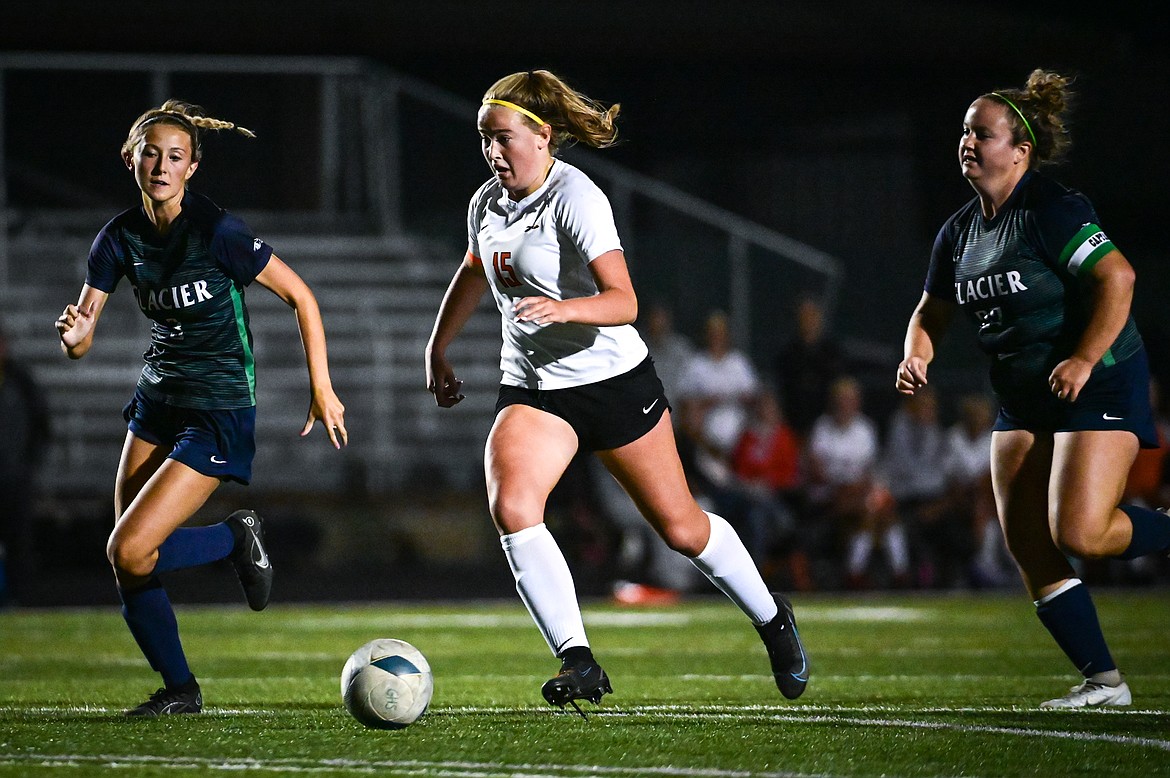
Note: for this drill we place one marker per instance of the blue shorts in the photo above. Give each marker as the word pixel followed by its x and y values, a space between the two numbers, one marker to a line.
pixel 220 444
pixel 605 415
pixel 1116 397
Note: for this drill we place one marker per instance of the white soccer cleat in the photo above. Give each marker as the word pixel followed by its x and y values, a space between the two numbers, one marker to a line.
pixel 1092 695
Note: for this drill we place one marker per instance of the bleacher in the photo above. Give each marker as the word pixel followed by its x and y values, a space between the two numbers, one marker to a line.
pixel 378 297
pixel 376 268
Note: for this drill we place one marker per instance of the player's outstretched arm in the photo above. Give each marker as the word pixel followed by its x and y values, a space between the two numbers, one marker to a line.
pixel 76 324
pixel 324 404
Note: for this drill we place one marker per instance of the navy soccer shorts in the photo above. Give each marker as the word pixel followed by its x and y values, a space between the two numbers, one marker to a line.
pixel 1116 397
pixel 216 443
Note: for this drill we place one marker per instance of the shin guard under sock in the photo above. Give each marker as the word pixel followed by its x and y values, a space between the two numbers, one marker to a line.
pixel 194 546
pixel 1069 615
pixel 1151 532
pixel 152 622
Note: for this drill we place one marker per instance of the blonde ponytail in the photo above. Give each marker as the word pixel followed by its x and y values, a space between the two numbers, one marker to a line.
pixel 572 115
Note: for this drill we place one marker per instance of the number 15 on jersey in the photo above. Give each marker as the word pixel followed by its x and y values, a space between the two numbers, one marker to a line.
pixel 504 271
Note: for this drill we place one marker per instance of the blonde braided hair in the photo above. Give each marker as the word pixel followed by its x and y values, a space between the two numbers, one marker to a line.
pixel 188 117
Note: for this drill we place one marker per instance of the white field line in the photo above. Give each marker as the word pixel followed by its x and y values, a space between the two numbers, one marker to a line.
pixel 399 767
pixel 597 618
pixel 746 712
pixel 792 718
pixel 772 714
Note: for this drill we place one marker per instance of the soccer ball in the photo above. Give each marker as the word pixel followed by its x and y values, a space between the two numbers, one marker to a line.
pixel 386 684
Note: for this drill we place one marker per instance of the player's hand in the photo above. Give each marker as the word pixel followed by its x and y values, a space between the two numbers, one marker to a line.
pixel 1069 377
pixel 538 310
pixel 911 375
pixel 326 407
pixel 75 324
pixel 442 383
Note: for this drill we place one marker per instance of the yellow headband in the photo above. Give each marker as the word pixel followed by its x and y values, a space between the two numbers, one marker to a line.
pixel 517 108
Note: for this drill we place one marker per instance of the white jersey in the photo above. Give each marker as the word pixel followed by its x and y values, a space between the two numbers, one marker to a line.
pixel 542 246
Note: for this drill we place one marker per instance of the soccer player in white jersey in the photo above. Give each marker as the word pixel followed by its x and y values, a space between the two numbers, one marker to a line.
pixel 541 238
pixel 1026 260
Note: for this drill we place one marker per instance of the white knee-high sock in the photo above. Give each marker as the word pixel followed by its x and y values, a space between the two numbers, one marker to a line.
pixel 727 563
pixel 860 547
pixel 546 586
pixel 897 549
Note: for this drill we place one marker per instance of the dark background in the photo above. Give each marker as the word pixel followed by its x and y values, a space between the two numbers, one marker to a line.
pixel 833 122
pixel 836 123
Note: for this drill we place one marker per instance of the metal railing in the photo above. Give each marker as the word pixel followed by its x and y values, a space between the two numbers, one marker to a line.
pixel 378 95
pixel 364 155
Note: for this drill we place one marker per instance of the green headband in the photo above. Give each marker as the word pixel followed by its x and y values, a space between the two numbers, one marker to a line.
pixel 1020 114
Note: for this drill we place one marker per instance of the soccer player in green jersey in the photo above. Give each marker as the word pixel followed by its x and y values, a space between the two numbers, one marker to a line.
pixel 1027 261
pixel 191 421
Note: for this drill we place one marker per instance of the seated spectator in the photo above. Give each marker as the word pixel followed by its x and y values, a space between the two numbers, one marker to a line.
pixel 806 367
pixel 844 495
pixel 646 570
pixel 971 501
pixel 714 388
pixel 767 456
pixel 766 465
pixel 671 351
pixel 915 447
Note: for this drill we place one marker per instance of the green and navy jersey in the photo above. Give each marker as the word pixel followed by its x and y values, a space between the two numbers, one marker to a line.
pixel 190 284
pixel 1022 277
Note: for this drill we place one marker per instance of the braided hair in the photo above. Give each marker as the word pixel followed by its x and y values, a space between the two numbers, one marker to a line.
pixel 188 117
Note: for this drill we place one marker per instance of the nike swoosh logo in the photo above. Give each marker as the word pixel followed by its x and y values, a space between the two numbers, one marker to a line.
pixel 536 222
pixel 218 461
pixel 561 647
pixel 649 407
pixel 260 561
pixel 1107 417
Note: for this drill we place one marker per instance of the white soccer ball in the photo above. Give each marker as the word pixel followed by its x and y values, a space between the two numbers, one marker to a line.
pixel 386 684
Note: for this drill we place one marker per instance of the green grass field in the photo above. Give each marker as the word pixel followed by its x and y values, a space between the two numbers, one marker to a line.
pixel 901 685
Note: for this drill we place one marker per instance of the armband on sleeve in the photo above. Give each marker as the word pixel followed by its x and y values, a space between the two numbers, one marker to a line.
pixel 1085 249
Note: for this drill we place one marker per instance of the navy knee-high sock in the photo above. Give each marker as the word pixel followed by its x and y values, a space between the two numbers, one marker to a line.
pixel 1071 618
pixel 193 546
pixel 1151 532
pixel 151 619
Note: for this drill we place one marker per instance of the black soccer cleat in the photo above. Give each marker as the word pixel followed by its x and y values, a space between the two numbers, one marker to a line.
pixel 187 698
pixel 785 651
pixel 250 558
pixel 579 679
